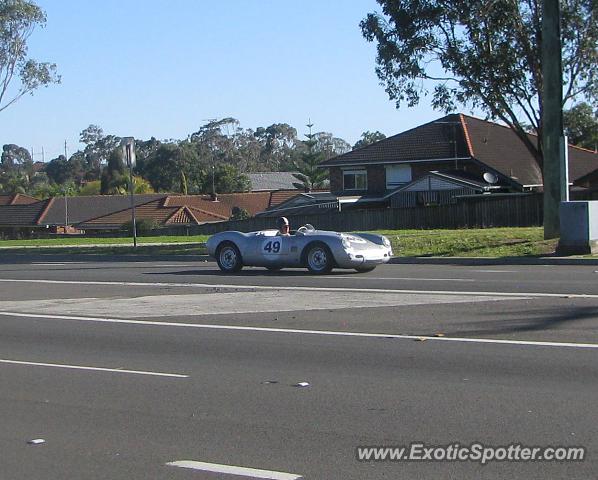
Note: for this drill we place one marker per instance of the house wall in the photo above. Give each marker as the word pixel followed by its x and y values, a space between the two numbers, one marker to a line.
pixel 425 198
pixel 377 174
pixel 376 180
pixel 336 180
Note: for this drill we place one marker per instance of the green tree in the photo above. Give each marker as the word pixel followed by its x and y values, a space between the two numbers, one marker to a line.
pixel 227 179
pixel 18 19
pixel 174 168
pixel 238 213
pixel 162 169
pixel 142 185
pixel 308 173
pixel 58 170
pixel 114 178
pixel 367 138
pixel 98 148
pixel 329 145
pixel 13 181
pixel 278 143
pixel 91 188
pixel 15 157
pixel 77 167
pixel 143 150
pixel 581 126
pixel 484 54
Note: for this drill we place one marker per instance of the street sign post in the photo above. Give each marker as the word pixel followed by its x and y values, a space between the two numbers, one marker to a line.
pixel 128 149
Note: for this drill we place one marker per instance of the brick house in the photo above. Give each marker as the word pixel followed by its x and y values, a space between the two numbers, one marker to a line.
pixel 460 146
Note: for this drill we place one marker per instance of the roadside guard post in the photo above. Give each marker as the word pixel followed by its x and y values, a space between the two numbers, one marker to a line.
pixel 128 149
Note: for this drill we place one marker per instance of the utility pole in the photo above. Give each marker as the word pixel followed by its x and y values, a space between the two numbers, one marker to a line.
pixel 552 117
pixel 65 152
pixel 66 211
pixel 43 156
pixel 213 182
pixel 128 147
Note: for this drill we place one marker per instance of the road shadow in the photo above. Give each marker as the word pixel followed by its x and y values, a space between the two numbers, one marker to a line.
pixel 481 261
pixel 28 258
pixel 258 272
pixel 531 321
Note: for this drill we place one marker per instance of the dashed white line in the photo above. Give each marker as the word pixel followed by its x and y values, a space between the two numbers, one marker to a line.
pixel 233 470
pixel 57 264
pixel 301 332
pixel 495 271
pixel 97 369
pixel 416 279
pixel 308 289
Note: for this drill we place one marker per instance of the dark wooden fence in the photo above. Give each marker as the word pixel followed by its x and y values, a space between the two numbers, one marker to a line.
pixel 478 211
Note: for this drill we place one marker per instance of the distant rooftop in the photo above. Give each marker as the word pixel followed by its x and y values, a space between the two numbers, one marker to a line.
pixel 266 181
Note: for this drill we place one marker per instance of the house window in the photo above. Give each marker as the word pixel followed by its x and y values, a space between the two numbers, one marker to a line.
pixel 355 180
pixel 397 175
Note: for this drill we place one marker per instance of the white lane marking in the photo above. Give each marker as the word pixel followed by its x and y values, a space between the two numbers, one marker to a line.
pixel 231 302
pixel 58 264
pixel 157 265
pixel 232 470
pixel 403 278
pixel 301 332
pixel 495 271
pixel 306 289
pixel 97 369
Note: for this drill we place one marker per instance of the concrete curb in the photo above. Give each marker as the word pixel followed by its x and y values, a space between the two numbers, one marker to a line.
pixel 101 245
pixel 27 257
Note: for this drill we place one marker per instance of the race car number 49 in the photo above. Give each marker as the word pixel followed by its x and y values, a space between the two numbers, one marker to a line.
pixel 272 247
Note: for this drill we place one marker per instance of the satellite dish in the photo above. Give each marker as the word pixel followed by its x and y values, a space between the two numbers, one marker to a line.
pixel 490 178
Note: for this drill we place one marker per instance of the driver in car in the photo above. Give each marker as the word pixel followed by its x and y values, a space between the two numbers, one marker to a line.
pixel 284 229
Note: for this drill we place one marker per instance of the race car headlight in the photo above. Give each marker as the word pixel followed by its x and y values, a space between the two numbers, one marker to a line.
pixel 346 243
pixel 386 242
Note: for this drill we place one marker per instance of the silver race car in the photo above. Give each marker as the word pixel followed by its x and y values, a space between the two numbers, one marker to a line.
pixel 318 250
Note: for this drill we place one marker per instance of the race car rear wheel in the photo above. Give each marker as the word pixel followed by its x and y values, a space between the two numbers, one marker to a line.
pixel 318 258
pixel 229 258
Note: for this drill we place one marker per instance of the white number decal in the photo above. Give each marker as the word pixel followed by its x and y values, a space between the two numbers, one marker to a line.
pixel 272 247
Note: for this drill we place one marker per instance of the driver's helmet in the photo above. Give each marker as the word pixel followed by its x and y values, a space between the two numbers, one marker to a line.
pixel 281 222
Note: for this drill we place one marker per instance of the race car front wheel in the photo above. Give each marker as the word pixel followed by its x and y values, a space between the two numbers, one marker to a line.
pixel 229 258
pixel 318 258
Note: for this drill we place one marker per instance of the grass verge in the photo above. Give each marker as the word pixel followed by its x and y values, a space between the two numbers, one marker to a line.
pixel 82 241
pixel 489 242
pixel 486 242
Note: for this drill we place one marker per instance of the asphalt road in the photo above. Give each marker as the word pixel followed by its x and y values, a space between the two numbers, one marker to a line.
pixel 126 368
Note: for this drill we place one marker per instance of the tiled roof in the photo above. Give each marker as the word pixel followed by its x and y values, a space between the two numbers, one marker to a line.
pixel 157 211
pixel 300 202
pixel 17 199
pixel 22 215
pixel 253 202
pixel 582 162
pixel 153 210
pixel 282 196
pixel 83 208
pixel 489 143
pixel 499 147
pixel 203 216
pixel 38 167
pixel 271 181
pixel 22 199
pixel 431 141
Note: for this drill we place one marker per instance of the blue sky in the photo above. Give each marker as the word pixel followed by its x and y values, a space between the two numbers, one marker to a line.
pixel 160 68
